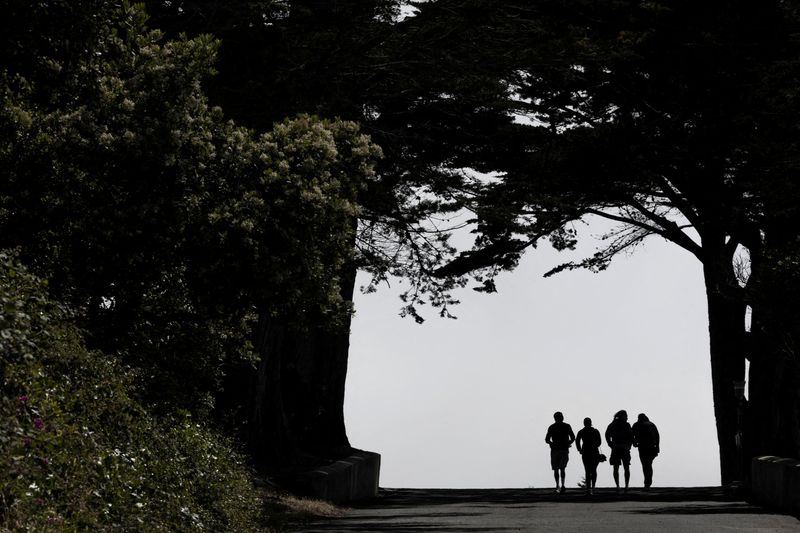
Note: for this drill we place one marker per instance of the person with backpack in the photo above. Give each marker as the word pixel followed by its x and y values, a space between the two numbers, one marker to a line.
pixel 619 438
pixel 588 444
pixel 647 440
pixel 560 437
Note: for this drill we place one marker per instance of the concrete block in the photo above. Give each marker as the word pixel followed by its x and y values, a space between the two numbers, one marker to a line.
pixel 353 478
pixel 775 483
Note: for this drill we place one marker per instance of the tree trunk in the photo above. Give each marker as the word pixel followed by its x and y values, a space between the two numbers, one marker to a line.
pixel 289 410
pixel 775 358
pixel 726 314
pixel 267 433
pixel 774 397
pixel 314 386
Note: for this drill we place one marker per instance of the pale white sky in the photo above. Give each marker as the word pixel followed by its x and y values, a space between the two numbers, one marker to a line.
pixel 466 403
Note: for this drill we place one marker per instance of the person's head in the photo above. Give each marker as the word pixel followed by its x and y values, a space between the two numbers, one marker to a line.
pixel 558 416
pixel 587 422
pixel 621 415
pixel 643 418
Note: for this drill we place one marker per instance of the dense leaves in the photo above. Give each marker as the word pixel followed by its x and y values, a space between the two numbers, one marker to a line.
pixel 166 225
pixel 657 114
pixel 410 82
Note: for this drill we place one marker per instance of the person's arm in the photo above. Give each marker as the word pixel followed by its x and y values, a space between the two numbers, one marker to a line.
pixel 578 441
pixel 657 439
pixel 635 431
pixel 548 436
pixel 571 435
pixel 608 436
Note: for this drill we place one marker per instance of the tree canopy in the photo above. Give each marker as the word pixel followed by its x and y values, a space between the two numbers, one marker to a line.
pixel 674 120
pixel 164 222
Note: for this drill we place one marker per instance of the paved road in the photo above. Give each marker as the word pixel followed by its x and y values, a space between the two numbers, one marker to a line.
pixel 700 510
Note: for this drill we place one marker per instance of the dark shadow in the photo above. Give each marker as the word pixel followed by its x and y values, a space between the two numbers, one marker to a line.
pixel 700 509
pixel 402 523
pixel 416 515
pixel 403 528
pixel 402 498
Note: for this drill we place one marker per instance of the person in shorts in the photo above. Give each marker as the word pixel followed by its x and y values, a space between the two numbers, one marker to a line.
pixel 560 437
pixel 588 444
pixel 619 438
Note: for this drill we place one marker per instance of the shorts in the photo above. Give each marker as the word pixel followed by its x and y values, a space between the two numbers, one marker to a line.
pixel 620 456
pixel 559 459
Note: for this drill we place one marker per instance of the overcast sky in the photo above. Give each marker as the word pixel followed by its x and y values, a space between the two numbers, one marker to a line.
pixel 466 403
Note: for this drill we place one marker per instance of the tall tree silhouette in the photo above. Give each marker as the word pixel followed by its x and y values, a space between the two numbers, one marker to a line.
pixel 328 58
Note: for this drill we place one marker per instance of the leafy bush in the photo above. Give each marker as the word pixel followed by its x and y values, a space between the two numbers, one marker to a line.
pixel 167 227
pixel 77 452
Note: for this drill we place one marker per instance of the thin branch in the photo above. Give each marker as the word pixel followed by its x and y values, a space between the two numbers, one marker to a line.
pixel 681 239
pixel 671 230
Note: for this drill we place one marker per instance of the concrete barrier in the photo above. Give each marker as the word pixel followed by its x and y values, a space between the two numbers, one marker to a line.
pixel 775 483
pixel 353 478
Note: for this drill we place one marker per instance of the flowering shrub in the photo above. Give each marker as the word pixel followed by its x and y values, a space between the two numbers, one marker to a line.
pixel 169 227
pixel 77 452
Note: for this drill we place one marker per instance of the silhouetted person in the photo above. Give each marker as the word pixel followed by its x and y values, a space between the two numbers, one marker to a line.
pixel 588 444
pixel 560 437
pixel 646 438
pixel 619 437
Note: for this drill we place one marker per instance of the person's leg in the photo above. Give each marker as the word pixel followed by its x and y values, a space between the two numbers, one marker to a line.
pixel 587 473
pixel 643 461
pixel 591 475
pixel 554 465
pixel 647 469
pixel 627 467
pixel 616 475
pixel 563 476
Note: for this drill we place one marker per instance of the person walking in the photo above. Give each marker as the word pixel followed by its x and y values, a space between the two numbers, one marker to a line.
pixel 560 437
pixel 619 438
pixel 588 444
pixel 647 440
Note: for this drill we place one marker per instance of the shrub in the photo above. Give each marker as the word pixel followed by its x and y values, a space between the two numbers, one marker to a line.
pixel 77 452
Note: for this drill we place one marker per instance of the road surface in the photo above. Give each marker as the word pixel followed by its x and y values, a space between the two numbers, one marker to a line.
pixel 701 510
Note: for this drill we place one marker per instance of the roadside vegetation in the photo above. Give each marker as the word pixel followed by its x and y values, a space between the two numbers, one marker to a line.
pixel 80 452
pixel 141 235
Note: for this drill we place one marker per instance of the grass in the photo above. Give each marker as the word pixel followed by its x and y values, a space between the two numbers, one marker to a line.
pixel 286 513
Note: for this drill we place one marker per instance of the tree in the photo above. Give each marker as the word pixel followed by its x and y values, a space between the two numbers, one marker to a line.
pixel 666 118
pixel 331 58
pixel 169 227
